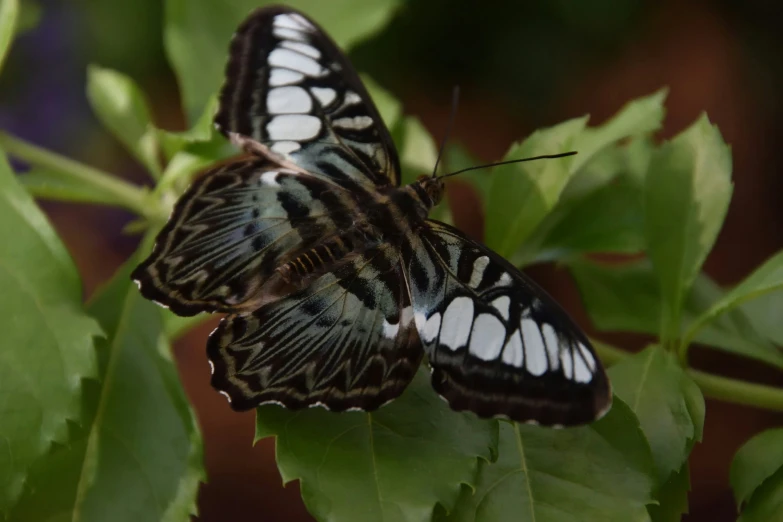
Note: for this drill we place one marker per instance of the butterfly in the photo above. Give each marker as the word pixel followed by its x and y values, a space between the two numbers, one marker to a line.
pixel 334 283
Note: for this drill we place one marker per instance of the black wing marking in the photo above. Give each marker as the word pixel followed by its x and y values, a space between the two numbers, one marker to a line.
pixel 347 341
pixel 290 90
pixel 232 228
pixel 498 345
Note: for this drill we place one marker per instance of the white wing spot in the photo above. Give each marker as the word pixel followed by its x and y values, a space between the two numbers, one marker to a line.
pixel 390 330
pixel 226 395
pixel 351 98
pixel 502 304
pixel 581 372
pixel 281 57
pixel 280 77
pixel 211 367
pixel 289 34
pixel 302 20
pixel 566 359
pixel 420 319
pixel 355 123
pixel 512 352
pixel 293 127
pixel 270 178
pixel 457 321
pixel 288 100
pixel 431 328
pixel 479 265
pixel 272 401
pixel 303 48
pixel 589 359
pixel 286 147
pixel 325 95
pixel 535 352
pixel 487 338
pixel 291 21
pixel 552 346
pixel 505 280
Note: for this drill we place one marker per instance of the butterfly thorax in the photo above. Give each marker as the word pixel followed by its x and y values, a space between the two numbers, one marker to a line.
pixel 418 198
pixel 388 218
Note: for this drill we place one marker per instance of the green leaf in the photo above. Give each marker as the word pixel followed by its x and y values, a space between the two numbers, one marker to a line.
pixel 609 219
pixel 9 11
pixel 765 279
pixel 418 154
pixel 755 462
pixel 457 157
pixel 597 472
pixel 757 477
pixel 627 298
pixel 766 505
pixel 388 106
pixel 668 404
pixel 522 194
pixel 764 315
pixel 137 455
pixel 46 184
pixel 30 12
pixel 197 35
pixel 119 104
pixel 193 158
pixel 688 189
pixel 418 151
pixel 389 465
pixel 175 326
pixel 600 209
pixel 47 346
pixel 202 131
pixel 638 117
pixel 672 498
pixel 628 161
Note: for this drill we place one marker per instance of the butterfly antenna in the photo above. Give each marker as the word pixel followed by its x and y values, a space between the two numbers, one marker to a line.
pixel 547 156
pixel 452 117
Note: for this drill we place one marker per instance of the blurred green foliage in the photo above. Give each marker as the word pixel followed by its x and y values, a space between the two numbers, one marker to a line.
pixel 94 423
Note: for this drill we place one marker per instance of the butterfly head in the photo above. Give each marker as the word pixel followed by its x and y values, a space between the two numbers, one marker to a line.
pixel 430 190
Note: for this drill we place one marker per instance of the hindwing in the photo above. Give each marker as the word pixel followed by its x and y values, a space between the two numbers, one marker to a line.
pixel 292 94
pixel 346 341
pixel 498 345
pixel 232 228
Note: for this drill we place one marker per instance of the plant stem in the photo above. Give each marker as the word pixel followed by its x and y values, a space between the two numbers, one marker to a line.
pixel 116 190
pixel 738 392
pixel 714 386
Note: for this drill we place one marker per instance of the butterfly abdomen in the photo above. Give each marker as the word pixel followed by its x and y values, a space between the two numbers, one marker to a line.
pixel 329 253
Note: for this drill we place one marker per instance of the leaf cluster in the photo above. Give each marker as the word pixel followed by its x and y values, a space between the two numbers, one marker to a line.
pixel 94 424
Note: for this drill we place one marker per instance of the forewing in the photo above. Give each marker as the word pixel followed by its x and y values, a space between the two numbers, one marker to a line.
pixel 290 92
pixel 347 341
pixel 231 229
pixel 497 343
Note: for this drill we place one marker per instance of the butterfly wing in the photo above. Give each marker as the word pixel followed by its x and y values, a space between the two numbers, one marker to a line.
pixel 347 341
pixel 498 345
pixel 292 94
pixel 232 228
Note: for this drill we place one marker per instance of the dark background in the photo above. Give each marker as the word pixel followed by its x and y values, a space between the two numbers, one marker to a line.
pixel 521 65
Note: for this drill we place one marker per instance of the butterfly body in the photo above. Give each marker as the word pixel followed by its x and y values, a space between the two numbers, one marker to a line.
pixel 334 282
